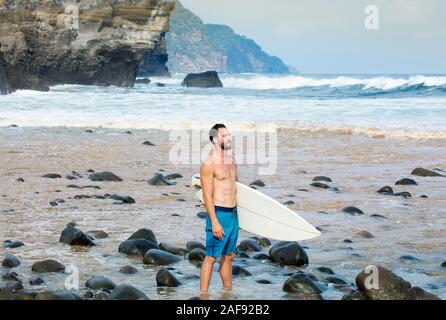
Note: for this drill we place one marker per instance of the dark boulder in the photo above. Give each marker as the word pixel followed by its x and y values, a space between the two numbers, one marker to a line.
pixel 159 180
pixel 406 182
pixel 74 237
pixel 365 234
pixel 320 185
pixel 357 295
pixel 353 210
pixel 146 234
pixel 202 215
pixel 301 284
pixel 123 199
pixel 420 172
pixel 336 280
pixel 322 178
pixel 127 292
pixel 164 278
pixel 128 270
pixel 258 183
pixel 388 286
pixel 36 281
pixel 174 176
pixel 264 242
pixel 137 247
pixel 52 176
pixel 48 265
pixel 173 249
pixel 98 234
pixel 105 176
pixel 325 270
pixel 261 256
pixel 25 295
pixel 57 295
pixel 10 261
pixel 148 143
pixel 263 281
pixel 249 245
pixel 191 245
pixel 386 189
pixel 208 79
pixel 240 271
pixel 196 254
pixel 100 283
pixel 288 253
pixel 160 258
pixel 13 244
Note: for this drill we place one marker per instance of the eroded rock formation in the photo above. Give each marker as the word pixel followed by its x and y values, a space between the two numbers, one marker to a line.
pixel 92 42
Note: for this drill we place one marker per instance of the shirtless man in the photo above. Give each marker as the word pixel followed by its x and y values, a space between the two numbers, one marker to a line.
pixel 218 181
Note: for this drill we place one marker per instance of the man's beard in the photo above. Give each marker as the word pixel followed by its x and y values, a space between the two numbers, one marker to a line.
pixel 226 147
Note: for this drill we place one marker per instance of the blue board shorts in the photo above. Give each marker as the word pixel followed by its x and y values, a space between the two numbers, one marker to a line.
pixel 228 218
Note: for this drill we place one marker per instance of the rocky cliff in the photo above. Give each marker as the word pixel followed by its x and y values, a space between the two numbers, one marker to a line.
pixel 194 46
pixel 92 42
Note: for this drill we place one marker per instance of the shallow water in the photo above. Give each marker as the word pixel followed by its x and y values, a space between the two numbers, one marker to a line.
pixel 359 166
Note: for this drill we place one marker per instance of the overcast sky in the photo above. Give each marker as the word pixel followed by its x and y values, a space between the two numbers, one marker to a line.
pixel 329 36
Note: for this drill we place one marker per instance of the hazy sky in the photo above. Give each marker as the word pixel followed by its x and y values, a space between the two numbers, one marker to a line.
pixel 329 36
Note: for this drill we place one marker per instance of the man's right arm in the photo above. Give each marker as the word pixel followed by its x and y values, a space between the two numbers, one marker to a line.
pixel 207 185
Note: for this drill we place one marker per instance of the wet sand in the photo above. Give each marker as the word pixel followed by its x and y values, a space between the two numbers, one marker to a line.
pixel 358 166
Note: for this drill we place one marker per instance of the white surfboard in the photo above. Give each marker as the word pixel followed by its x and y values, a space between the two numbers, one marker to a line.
pixel 266 217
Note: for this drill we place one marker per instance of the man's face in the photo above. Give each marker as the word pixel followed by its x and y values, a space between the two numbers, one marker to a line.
pixel 224 139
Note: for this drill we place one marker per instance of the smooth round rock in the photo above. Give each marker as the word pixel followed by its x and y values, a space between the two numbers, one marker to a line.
pixel 48 266
pixel 196 254
pixel 100 283
pixel 191 245
pixel 127 292
pixel 301 284
pixel 10 261
pixel 249 245
pixel 173 249
pixel 128 270
pixel 288 253
pixel 164 278
pixel 136 247
pixel 160 258
pixel 105 176
pixel 352 210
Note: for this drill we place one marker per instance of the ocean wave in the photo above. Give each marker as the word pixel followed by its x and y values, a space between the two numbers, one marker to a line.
pixel 384 83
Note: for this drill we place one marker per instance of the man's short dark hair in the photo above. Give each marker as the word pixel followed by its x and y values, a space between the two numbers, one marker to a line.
pixel 214 131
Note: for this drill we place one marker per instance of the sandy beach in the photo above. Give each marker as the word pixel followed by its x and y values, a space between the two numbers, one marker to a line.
pixel 407 233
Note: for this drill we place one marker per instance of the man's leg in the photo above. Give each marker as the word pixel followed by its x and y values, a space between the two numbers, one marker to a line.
pixel 206 273
pixel 226 270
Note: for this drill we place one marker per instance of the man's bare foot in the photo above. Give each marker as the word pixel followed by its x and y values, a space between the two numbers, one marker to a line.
pixel 226 294
pixel 205 295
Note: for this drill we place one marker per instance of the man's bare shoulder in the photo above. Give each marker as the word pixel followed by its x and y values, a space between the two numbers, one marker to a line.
pixel 207 165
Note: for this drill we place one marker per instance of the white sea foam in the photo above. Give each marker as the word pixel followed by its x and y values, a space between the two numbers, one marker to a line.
pixel 262 82
pixel 176 108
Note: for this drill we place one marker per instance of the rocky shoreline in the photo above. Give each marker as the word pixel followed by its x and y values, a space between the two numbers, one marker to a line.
pixel 133 228
pixel 143 243
pixel 94 42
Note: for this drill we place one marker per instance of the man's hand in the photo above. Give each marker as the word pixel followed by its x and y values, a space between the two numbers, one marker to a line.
pixel 217 230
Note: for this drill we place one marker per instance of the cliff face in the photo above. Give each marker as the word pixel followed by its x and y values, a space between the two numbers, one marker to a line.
pixel 154 61
pixel 196 47
pixel 93 42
